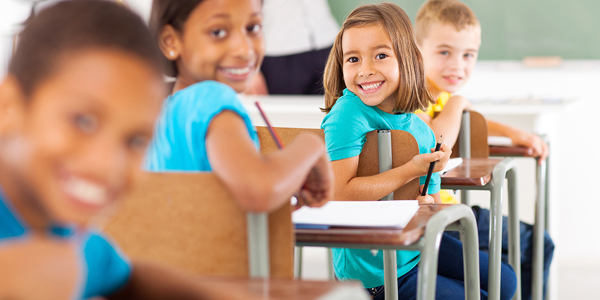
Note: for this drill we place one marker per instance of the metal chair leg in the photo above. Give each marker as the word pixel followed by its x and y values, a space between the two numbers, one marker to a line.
pixel 495 247
pixel 514 232
pixel 427 277
pixel 537 282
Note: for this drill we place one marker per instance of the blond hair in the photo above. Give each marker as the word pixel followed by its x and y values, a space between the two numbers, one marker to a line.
pixel 450 12
pixel 412 89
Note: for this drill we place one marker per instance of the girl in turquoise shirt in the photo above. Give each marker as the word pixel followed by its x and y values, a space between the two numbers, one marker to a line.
pixel 373 80
pixel 214 48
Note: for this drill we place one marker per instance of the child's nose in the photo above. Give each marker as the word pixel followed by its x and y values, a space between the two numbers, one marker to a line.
pixel 107 159
pixel 366 69
pixel 457 62
pixel 242 46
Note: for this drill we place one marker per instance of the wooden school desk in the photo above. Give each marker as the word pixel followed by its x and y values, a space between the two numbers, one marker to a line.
pixel 383 150
pixel 541 212
pixel 287 289
pixel 485 173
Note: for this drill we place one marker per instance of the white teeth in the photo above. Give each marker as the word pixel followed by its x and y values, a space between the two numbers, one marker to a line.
pixel 86 192
pixel 237 71
pixel 371 86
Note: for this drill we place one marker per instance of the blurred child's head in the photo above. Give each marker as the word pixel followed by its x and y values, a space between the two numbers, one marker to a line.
pixel 219 40
pixel 375 57
pixel 77 109
pixel 449 36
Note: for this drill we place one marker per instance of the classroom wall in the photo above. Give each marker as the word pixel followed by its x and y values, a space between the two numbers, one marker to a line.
pixel 513 29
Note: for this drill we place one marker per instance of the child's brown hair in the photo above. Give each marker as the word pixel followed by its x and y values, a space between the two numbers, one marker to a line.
pixel 412 90
pixel 173 13
pixel 70 26
pixel 450 12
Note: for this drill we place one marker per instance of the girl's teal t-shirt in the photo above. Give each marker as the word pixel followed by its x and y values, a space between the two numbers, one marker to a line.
pixel 346 127
pixel 179 142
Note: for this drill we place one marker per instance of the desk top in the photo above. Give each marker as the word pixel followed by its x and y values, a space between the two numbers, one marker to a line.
pixel 472 172
pixel 289 289
pixel 372 237
pixel 511 151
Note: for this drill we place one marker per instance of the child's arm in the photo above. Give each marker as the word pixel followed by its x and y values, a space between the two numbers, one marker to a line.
pixel 150 281
pixel 350 187
pixel 520 138
pixel 263 183
pixel 447 122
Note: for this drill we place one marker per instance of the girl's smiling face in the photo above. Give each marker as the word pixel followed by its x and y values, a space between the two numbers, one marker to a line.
pixel 77 143
pixel 222 40
pixel 370 66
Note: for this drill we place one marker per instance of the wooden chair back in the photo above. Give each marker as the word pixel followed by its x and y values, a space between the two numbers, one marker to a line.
pixel 191 221
pixel 404 148
pixel 479 137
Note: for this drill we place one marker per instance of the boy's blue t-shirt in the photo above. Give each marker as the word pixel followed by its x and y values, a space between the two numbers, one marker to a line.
pixel 346 127
pixel 179 138
pixel 105 268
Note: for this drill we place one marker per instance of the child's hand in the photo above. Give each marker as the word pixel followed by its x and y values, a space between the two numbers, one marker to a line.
pixel 318 187
pixel 462 102
pixel 39 268
pixel 441 164
pixel 425 199
pixel 421 162
pixel 526 139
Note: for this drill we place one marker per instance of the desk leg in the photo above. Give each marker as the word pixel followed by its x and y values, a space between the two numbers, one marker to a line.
pixel 470 239
pixel 514 233
pixel 390 273
pixel 427 277
pixel 495 248
pixel 537 282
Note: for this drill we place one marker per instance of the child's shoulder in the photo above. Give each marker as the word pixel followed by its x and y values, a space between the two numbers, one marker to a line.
pixel 349 105
pixel 204 99
pixel 207 89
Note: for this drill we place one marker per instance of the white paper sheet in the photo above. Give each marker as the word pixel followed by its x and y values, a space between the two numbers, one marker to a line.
pixel 358 214
pixel 500 141
pixel 452 163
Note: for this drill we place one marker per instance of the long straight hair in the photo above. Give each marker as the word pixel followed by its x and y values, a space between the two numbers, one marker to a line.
pixel 412 89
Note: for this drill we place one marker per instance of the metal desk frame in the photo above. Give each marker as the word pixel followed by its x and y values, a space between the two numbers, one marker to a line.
pixel 503 170
pixel 540 224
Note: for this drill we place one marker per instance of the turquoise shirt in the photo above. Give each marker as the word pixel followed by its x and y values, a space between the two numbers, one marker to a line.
pixel 346 127
pixel 105 268
pixel 179 142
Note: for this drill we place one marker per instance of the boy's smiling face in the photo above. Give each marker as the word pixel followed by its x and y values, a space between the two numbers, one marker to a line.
pixel 449 56
pixel 76 144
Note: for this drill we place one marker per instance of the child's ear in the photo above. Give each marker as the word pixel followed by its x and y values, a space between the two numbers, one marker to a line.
pixel 169 42
pixel 12 105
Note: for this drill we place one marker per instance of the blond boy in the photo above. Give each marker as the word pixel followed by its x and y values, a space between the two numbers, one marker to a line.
pixel 449 35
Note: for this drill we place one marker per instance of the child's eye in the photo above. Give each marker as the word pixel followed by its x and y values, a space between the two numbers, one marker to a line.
pixel 256 28
pixel 352 59
pixel 381 56
pixel 218 33
pixel 86 123
pixel 468 55
pixel 445 53
pixel 137 142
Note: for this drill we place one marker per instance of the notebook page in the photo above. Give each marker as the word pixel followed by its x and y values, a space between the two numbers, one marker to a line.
pixel 358 214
